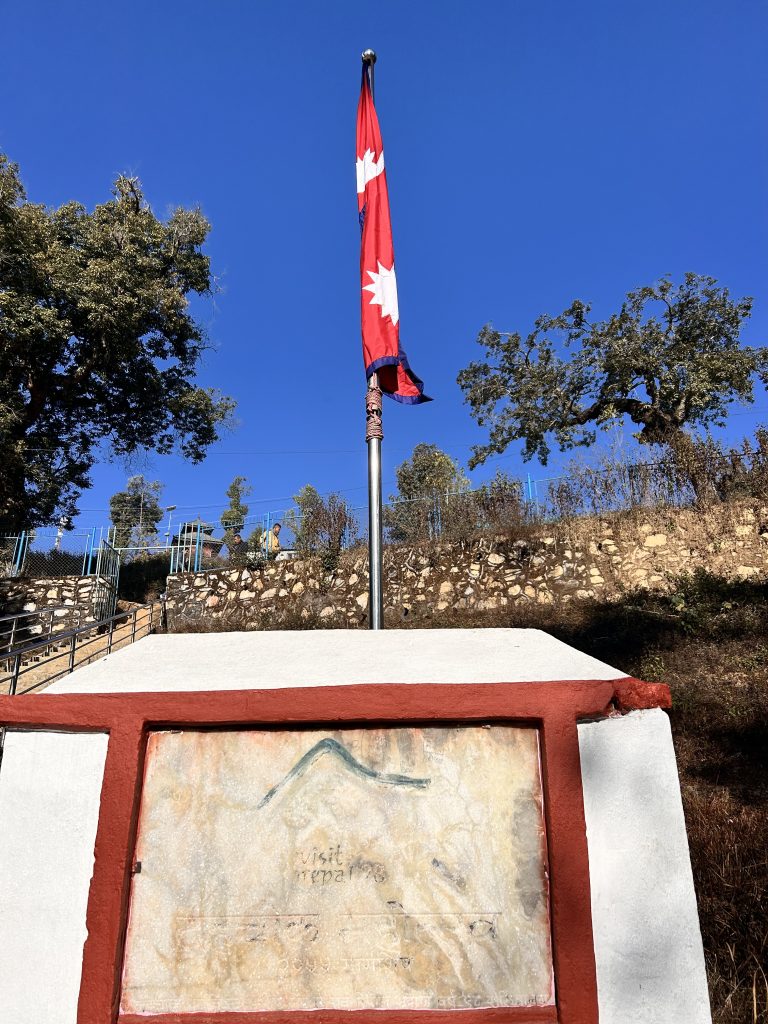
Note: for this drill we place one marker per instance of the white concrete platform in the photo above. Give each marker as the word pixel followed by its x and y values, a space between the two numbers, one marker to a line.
pixel 274 659
pixel 650 964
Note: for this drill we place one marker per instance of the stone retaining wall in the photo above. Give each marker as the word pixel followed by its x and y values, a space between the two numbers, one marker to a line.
pixel 72 598
pixel 584 560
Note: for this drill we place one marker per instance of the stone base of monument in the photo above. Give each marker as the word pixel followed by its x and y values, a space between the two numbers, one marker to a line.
pixel 464 826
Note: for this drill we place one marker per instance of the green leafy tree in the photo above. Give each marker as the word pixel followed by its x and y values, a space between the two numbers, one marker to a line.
pixel 136 512
pixel 670 358
pixel 97 343
pixel 428 471
pixel 428 486
pixel 233 517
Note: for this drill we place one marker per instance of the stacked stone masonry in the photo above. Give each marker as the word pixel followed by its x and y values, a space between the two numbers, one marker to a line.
pixel 48 604
pixel 588 559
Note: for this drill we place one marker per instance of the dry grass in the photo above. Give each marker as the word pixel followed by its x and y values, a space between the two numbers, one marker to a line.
pixel 728 852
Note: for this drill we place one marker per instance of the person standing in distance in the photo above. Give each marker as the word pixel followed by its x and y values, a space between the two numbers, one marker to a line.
pixel 272 541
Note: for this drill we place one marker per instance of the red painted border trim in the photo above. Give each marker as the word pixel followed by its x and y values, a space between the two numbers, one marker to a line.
pixel 489 1015
pixel 107 914
pixel 635 695
pixel 554 707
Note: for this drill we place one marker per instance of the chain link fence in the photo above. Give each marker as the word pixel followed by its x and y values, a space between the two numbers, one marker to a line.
pixel 51 552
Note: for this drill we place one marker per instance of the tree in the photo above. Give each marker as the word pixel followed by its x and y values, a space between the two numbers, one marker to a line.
pixel 305 521
pixel 499 504
pixel 669 358
pixel 425 483
pixel 233 517
pixel 136 512
pixel 97 343
pixel 717 473
pixel 322 526
pixel 429 471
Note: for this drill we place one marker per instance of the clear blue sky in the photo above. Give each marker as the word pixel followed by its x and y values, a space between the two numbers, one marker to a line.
pixel 536 152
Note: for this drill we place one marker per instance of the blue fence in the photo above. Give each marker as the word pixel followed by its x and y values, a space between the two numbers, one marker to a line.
pixel 499 504
pixel 51 552
pixel 194 545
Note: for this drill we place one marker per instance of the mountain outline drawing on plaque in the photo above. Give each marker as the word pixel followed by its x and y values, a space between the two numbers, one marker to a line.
pixel 338 750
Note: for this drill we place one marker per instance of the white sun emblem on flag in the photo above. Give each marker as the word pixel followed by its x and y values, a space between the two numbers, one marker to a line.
pixel 384 290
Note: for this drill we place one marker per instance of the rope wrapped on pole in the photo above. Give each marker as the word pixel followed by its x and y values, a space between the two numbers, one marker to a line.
pixel 373 424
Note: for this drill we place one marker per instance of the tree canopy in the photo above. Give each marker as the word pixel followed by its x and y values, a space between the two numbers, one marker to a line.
pixel 98 346
pixel 669 358
pixel 135 512
pixel 427 472
pixel 423 481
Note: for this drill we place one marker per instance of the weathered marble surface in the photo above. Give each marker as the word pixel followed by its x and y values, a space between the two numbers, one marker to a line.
pixel 357 868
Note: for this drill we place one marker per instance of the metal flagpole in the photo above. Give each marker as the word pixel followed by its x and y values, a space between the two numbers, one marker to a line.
pixel 374 435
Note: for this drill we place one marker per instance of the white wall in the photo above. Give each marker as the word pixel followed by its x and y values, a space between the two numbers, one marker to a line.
pixel 650 960
pixel 50 785
pixel 326 657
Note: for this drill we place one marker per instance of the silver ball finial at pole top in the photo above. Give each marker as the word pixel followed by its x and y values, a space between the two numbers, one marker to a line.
pixel 369 57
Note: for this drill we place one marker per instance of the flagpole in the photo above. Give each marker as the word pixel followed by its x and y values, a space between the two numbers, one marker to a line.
pixel 374 435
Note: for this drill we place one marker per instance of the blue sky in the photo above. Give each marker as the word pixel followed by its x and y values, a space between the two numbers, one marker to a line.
pixel 536 152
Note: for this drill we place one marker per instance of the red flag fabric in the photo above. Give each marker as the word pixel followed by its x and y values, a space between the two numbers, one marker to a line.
pixel 382 351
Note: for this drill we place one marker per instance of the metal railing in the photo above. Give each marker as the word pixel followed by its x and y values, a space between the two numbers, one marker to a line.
pixel 107 574
pixel 34 662
pixel 187 552
pixel 24 628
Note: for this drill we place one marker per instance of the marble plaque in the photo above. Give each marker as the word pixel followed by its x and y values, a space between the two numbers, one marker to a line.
pixel 355 868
